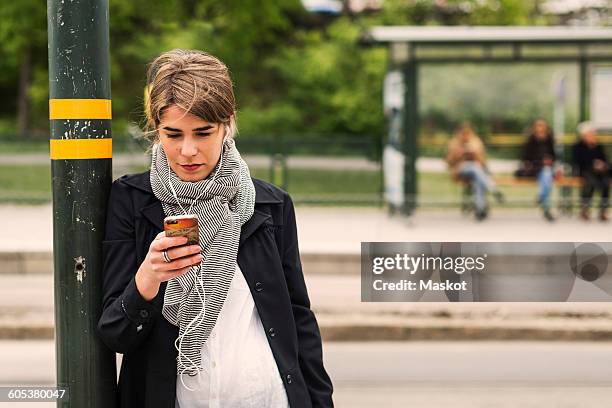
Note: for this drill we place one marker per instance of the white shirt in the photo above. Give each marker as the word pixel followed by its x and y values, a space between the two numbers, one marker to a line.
pixel 240 369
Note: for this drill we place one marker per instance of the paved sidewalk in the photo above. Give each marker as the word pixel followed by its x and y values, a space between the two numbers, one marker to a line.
pixel 26 311
pixel 415 374
pixel 330 243
pixel 341 230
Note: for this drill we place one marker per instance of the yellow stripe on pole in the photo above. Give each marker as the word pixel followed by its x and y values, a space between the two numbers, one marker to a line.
pixel 80 109
pixel 62 149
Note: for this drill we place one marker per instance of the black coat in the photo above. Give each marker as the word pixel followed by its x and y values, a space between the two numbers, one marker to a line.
pixel 584 156
pixel 535 151
pixel 269 258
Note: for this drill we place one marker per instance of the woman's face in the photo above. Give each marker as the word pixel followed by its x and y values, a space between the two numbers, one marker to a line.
pixel 589 137
pixel 464 135
pixel 540 129
pixel 190 140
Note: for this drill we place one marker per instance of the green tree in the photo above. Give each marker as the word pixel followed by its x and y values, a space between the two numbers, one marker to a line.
pixel 23 45
pixel 294 72
pixel 333 83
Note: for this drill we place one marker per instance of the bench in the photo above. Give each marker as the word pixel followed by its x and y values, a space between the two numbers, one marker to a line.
pixel 567 183
pixel 563 181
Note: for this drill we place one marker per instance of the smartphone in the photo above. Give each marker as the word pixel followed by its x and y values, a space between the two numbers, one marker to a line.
pixel 183 226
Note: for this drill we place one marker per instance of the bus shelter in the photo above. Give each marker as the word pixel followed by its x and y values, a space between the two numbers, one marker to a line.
pixel 412 47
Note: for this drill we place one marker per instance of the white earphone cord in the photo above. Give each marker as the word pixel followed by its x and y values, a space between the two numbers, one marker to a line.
pixel 179 339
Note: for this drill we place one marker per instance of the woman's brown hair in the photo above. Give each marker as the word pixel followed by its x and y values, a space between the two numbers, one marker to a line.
pixel 193 80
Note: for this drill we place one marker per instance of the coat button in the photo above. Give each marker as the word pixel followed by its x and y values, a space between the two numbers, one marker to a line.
pixel 271 332
pixel 258 286
pixel 289 379
pixel 144 313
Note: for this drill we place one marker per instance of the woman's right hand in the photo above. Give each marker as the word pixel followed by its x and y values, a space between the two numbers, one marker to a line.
pixel 154 269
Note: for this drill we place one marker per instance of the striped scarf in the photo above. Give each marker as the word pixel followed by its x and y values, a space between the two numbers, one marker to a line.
pixel 194 300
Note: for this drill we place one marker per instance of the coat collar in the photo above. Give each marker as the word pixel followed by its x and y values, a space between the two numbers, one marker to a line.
pixel 154 212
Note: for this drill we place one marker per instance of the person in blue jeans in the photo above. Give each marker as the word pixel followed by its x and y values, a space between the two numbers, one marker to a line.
pixel 538 160
pixel 466 159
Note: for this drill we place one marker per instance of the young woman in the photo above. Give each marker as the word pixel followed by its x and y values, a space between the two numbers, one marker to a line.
pixel 537 161
pixel 226 323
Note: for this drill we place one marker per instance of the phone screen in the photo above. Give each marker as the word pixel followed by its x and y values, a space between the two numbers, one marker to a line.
pixel 183 226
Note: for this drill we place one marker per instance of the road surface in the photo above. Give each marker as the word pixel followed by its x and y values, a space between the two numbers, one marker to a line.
pixel 417 374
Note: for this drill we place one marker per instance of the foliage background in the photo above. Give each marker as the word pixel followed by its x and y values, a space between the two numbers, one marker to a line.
pixel 296 73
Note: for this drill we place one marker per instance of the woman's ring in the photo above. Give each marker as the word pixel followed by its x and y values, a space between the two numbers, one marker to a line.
pixel 166 257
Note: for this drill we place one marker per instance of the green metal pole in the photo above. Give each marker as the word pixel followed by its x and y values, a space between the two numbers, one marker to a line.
pixel 411 131
pixel 567 199
pixel 283 163
pixel 584 89
pixel 272 150
pixel 81 169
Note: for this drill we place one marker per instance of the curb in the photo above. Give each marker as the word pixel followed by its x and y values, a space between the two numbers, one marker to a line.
pixel 41 262
pixel 332 264
pixel 449 333
pixel 27 332
pixel 23 263
pixel 356 332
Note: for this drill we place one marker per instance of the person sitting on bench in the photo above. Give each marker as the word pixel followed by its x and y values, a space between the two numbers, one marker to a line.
pixel 593 166
pixel 467 163
pixel 537 161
